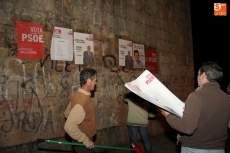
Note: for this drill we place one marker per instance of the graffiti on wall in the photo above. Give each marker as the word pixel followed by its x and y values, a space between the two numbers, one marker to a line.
pixel 33 95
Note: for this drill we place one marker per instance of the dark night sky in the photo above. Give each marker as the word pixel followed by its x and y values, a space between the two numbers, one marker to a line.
pixel 211 37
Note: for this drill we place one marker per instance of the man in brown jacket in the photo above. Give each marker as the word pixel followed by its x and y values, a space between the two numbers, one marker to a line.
pixel 80 124
pixel 206 114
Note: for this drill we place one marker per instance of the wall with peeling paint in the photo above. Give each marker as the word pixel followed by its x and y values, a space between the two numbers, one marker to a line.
pixel 34 94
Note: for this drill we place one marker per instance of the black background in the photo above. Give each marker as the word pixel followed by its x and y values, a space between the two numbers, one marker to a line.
pixel 211 37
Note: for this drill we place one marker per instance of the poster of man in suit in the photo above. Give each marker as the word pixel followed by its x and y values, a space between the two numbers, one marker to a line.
pixel 125 48
pixel 128 60
pixel 83 48
pixel 88 57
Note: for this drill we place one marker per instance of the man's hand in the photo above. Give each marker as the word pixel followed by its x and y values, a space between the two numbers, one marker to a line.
pixel 164 113
pixel 90 144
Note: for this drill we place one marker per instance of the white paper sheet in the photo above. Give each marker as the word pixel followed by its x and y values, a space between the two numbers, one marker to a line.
pixel 62 44
pixel 61 48
pixel 151 89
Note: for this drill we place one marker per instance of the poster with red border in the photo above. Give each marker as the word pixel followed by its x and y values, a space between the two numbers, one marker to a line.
pixel 30 44
pixel 151 56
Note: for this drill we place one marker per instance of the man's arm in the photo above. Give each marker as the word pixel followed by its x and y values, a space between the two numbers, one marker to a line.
pixel 76 116
pixel 141 64
pixel 84 58
pixel 189 122
pixel 92 56
pixel 126 60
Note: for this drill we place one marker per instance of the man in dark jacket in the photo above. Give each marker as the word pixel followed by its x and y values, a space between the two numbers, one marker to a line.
pixel 206 114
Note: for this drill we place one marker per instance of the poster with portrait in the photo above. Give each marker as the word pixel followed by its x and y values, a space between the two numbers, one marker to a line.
pixel 125 47
pixel 83 48
pixel 138 56
pixel 62 44
pixel 30 43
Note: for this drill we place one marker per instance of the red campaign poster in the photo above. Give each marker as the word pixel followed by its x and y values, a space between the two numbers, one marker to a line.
pixel 30 43
pixel 151 56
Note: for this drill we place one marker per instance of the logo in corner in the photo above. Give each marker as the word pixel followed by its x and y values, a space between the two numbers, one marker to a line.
pixel 220 9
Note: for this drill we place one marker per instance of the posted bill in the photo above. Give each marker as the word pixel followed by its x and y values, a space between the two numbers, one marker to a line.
pixel 151 89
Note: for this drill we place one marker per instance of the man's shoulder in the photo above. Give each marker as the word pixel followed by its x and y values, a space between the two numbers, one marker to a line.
pixel 80 98
pixel 195 94
pixel 78 95
pixel 201 91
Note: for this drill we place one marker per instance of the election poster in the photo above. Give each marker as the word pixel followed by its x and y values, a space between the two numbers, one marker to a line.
pixel 83 48
pixel 138 56
pixel 151 89
pixel 151 56
pixel 62 44
pixel 30 43
pixel 125 53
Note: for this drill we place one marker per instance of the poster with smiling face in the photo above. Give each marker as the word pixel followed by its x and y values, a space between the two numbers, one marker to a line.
pixel 139 56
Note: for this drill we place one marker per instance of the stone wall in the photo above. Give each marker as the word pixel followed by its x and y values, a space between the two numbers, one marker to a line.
pixel 34 94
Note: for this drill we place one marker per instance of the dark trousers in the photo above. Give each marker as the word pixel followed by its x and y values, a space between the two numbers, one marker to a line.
pixel 82 150
pixel 133 133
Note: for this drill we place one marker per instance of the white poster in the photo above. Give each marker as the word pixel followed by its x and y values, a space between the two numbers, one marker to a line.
pixel 138 56
pixel 125 48
pixel 60 47
pixel 151 89
pixel 83 48
pixel 62 44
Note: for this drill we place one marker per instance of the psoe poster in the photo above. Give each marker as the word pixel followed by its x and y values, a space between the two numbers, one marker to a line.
pixel 30 44
pixel 62 44
pixel 125 47
pixel 83 48
pixel 138 56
